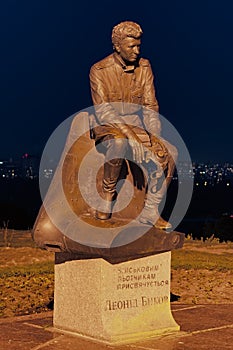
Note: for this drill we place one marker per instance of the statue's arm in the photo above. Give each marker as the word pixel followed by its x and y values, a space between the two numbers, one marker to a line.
pixel 150 104
pixel 105 112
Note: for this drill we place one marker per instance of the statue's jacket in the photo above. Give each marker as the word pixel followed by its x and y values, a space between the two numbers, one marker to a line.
pixel 123 94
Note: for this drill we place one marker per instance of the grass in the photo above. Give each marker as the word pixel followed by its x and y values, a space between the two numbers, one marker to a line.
pixel 188 259
pixel 35 269
pixel 26 275
pixel 202 272
pixel 26 289
pixel 16 238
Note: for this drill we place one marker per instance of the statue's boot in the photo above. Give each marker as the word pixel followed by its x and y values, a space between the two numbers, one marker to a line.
pixel 150 214
pixel 111 173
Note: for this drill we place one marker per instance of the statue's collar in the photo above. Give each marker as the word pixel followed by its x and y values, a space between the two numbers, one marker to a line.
pixel 125 67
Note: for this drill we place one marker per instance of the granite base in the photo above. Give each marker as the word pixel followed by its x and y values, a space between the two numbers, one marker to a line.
pixel 116 304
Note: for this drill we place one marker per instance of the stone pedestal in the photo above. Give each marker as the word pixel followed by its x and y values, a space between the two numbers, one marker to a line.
pixel 114 303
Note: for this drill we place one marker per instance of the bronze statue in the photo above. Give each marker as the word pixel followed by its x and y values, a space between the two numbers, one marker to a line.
pixel 122 90
pixel 125 119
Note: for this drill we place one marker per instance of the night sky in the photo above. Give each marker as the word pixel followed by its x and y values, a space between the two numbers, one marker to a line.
pixel 48 47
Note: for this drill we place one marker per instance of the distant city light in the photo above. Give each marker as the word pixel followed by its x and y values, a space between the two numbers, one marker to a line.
pixel 204 175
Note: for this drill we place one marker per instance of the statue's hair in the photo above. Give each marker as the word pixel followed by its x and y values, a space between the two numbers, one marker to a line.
pixel 125 29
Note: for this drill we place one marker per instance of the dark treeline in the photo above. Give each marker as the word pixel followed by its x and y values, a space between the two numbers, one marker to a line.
pixel 19 203
pixel 209 212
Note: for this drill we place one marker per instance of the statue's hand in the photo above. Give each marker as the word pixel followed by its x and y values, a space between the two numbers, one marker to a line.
pixel 134 142
pixel 154 140
pixel 158 152
pixel 137 148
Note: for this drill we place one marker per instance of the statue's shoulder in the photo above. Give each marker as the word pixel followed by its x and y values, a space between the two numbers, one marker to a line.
pixel 104 63
pixel 144 62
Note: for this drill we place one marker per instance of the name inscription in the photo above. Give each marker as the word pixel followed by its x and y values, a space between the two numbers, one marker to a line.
pixel 112 305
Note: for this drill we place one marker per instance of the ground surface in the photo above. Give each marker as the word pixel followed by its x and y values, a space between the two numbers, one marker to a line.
pixel 202 327
pixel 202 273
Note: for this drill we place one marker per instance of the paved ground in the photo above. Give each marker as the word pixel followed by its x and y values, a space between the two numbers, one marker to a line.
pixel 202 327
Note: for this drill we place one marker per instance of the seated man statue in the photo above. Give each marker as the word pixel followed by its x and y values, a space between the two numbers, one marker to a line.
pixel 127 117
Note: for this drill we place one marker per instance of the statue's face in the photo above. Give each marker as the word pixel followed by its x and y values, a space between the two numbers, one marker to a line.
pixel 129 49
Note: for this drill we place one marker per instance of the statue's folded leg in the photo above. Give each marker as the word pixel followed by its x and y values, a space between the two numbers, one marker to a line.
pixel 111 173
pixel 164 159
pixel 115 153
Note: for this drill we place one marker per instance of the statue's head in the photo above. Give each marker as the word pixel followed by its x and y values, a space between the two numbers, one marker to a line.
pixel 126 39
